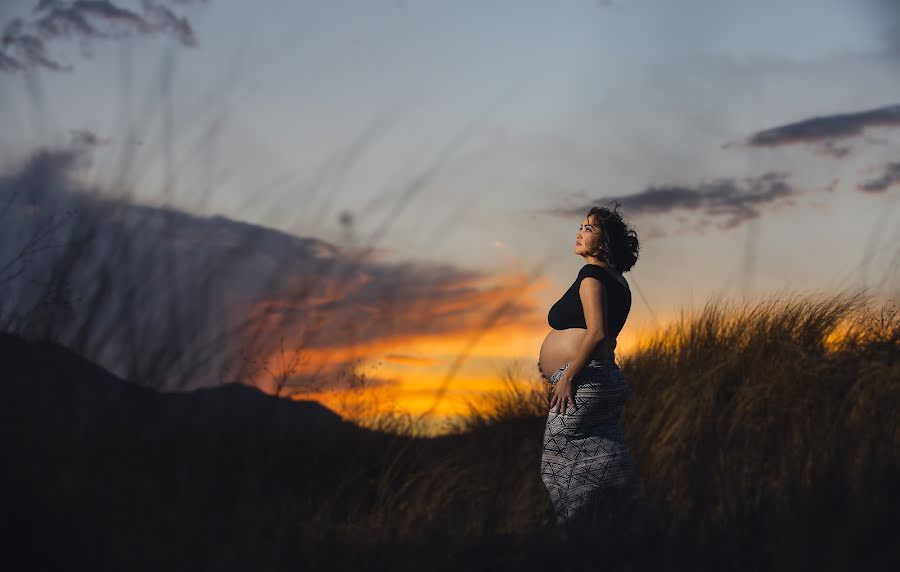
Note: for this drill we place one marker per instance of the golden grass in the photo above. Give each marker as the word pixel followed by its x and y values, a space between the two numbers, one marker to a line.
pixel 763 439
pixel 736 414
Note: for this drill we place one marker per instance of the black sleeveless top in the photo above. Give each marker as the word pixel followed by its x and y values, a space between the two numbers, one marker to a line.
pixel 568 311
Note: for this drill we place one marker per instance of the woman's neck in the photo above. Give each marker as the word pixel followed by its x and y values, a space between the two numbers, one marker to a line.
pixel 597 262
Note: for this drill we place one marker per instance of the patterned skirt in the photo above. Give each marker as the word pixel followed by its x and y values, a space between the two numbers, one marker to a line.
pixel 585 461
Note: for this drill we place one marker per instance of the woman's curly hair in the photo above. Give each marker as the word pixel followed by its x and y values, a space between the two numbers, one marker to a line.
pixel 619 245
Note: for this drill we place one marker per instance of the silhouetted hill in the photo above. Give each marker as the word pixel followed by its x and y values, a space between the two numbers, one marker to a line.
pixel 112 470
pixel 81 392
pixel 92 458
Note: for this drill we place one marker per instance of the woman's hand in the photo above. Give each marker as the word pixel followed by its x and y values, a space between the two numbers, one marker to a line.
pixel 563 394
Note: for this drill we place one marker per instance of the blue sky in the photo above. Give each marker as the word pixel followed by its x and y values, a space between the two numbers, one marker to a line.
pixel 475 132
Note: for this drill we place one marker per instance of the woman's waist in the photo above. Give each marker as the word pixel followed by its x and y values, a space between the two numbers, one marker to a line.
pixel 601 367
pixel 601 359
pixel 603 355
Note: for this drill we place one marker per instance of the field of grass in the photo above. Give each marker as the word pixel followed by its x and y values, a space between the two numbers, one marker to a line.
pixel 766 437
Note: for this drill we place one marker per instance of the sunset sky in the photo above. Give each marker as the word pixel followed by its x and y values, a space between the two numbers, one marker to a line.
pixel 753 145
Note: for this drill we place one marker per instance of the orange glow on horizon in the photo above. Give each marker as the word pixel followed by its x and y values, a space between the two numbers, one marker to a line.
pixel 412 386
pixel 444 373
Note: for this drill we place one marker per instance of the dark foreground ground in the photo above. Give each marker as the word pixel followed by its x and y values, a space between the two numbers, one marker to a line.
pixel 759 452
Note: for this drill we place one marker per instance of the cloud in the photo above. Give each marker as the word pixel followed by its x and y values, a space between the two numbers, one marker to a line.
pixel 822 131
pixel 86 138
pixel 24 44
pixel 411 360
pixel 150 290
pixel 882 183
pixel 729 201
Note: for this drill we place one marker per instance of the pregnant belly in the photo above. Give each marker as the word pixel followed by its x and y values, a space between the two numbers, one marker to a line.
pixel 560 347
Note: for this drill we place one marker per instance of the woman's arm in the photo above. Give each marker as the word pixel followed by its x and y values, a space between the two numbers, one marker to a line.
pixel 593 300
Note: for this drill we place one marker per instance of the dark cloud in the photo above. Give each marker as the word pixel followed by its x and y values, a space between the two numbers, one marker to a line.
pixel 889 178
pixel 411 360
pixel 731 202
pixel 822 131
pixel 24 44
pixel 86 138
pixel 141 281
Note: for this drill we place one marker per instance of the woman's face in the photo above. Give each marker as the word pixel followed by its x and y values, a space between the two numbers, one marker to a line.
pixel 588 238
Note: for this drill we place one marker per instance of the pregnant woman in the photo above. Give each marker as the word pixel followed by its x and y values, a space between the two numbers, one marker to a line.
pixel 584 458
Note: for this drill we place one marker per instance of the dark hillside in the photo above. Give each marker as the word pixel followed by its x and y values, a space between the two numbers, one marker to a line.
pixel 125 477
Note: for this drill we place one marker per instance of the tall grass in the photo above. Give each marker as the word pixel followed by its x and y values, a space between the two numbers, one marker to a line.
pixel 765 432
pixel 780 417
pixel 766 435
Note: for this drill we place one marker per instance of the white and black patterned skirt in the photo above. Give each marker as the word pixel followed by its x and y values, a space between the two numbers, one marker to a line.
pixel 584 459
